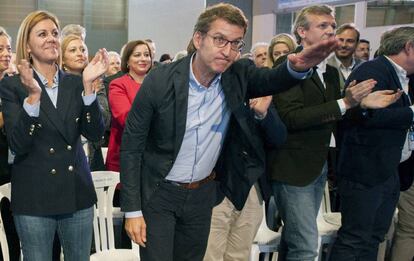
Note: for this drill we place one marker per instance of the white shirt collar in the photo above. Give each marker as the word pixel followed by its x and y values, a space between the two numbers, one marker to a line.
pixel 322 66
pixel 398 69
pixel 341 65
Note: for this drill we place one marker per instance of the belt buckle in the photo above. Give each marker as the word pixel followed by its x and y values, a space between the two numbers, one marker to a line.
pixel 193 185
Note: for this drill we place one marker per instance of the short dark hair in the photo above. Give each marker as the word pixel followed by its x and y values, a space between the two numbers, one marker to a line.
pixel 231 14
pixel 364 41
pixel 129 48
pixel 165 57
pixel 348 26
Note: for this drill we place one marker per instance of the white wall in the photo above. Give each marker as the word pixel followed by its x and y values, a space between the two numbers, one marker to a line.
pixel 169 23
pixel 264 27
pixel 372 34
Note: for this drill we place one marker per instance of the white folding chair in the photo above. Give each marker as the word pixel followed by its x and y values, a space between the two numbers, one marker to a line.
pixel 266 240
pixel 104 153
pixel 105 182
pixel 328 223
pixel 5 191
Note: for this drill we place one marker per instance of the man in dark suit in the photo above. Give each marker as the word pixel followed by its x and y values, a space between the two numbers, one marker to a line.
pixel 371 151
pixel 176 129
pixel 310 111
pixel 237 217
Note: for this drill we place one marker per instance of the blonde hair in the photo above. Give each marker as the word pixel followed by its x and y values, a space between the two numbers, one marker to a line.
pixel 24 32
pixel 277 39
pixel 3 32
pixel 65 42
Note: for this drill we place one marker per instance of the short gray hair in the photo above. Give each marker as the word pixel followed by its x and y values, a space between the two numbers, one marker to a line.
pixel 257 45
pixel 113 53
pixel 394 40
pixel 302 19
pixel 75 29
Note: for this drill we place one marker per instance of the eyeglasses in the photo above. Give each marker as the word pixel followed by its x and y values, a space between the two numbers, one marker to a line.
pixel 221 42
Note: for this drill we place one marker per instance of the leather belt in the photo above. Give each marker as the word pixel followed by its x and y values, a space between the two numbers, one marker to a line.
pixel 195 184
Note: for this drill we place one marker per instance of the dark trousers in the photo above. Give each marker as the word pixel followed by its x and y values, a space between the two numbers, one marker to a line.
pixel 178 222
pixel 367 213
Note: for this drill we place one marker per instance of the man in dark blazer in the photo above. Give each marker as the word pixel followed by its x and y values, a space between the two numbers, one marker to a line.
pixel 371 150
pixel 176 128
pixel 242 189
pixel 310 111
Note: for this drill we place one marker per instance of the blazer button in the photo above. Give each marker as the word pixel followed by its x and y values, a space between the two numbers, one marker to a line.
pixel 69 147
pixel 53 172
pixel 51 150
pixel 70 168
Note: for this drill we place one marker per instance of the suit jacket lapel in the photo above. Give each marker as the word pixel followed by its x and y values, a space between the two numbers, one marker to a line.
pixel 238 109
pixel 315 79
pixel 64 96
pixel 333 91
pixel 181 81
pixel 48 109
pixel 394 77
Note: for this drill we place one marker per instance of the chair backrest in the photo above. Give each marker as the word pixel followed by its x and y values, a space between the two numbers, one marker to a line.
pixel 5 191
pixel 105 183
pixel 104 153
pixel 326 200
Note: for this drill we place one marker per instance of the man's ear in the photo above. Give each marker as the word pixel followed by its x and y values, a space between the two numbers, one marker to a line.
pixel 197 38
pixel 301 32
pixel 409 47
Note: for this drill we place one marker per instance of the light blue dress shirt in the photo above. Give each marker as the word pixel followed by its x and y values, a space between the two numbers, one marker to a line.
pixel 207 122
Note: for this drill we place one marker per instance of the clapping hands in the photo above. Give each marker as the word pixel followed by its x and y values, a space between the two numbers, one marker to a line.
pixel 31 85
pixel 94 70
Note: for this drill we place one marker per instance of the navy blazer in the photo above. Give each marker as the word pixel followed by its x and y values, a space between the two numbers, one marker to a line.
pixel 156 123
pixel 235 171
pixel 50 174
pixel 373 139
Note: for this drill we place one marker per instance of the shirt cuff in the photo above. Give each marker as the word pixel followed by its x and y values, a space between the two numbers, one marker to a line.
pixel 133 214
pixel 412 108
pixel 299 75
pixel 31 109
pixel 88 99
pixel 342 106
pixel 259 117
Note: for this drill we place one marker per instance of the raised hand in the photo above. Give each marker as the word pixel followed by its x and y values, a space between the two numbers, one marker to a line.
pixel 380 99
pixel 312 55
pixel 94 70
pixel 354 93
pixel 260 105
pixel 136 230
pixel 31 85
